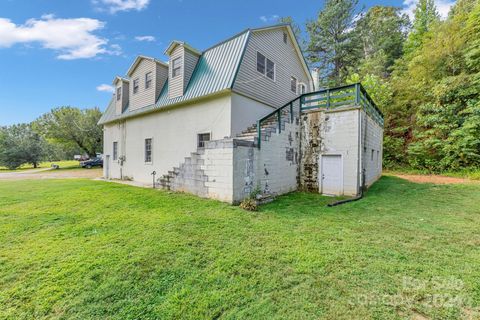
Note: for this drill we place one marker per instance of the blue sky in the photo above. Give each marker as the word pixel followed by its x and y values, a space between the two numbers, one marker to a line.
pixel 58 52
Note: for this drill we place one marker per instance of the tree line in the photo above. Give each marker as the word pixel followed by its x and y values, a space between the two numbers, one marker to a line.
pixel 423 74
pixel 56 135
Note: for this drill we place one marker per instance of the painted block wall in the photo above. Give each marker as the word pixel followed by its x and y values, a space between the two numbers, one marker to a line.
pixel 273 168
pixel 372 142
pixel 173 133
pixel 329 133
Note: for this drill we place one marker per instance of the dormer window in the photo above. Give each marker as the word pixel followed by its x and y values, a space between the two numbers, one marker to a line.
pixel 148 80
pixel 135 85
pixel 176 67
pixel 119 93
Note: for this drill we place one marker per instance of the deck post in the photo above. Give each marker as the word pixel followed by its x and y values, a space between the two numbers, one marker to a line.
pixel 279 121
pixel 328 99
pixel 291 112
pixel 259 134
pixel 357 94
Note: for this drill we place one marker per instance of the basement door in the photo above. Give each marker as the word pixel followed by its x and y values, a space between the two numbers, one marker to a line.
pixel 332 175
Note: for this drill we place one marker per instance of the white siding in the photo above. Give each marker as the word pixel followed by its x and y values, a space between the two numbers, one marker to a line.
pixel 175 85
pixel 122 103
pixel 287 64
pixel 161 78
pixel 144 97
pixel 190 61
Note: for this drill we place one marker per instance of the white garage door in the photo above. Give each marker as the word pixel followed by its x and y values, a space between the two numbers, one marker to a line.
pixel 332 175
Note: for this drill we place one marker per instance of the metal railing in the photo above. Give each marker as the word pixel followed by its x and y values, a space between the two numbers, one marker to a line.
pixel 328 99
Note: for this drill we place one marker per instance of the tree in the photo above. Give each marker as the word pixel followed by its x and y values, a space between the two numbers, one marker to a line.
pixel 425 16
pixel 73 127
pixel 19 144
pixel 382 32
pixel 332 46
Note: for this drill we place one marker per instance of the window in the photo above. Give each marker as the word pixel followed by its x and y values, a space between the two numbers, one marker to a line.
pixel 265 66
pixel 371 157
pixel 148 150
pixel 202 138
pixel 293 84
pixel 270 69
pixel 135 85
pixel 285 37
pixel 119 93
pixel 176 67
pixel 260 63
pixel 302 88
pixel 148 80
pixel 115 150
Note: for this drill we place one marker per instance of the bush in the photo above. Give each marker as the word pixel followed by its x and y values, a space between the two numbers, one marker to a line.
pixel 249 204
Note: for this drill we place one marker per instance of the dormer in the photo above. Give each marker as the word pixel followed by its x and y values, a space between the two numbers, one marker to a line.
pixel 147 77
pixel 182 61
pixel 121 94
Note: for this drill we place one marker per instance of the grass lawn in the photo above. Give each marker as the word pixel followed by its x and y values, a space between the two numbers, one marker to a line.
pixel 64 164
pixel 79 249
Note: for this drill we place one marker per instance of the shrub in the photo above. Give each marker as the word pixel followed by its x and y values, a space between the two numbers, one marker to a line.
pixel 249 204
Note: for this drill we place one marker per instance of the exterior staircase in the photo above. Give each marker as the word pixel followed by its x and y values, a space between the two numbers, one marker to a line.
pixel 188 176
pixel 267 127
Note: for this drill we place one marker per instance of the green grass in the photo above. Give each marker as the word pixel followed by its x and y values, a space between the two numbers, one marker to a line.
pixel 78 249
pixel 472 173
pixel 63 164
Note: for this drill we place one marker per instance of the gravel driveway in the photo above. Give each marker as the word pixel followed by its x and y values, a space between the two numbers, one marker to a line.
pixel 49 173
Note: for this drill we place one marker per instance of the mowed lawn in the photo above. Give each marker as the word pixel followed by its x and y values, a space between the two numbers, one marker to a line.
pixel 81 249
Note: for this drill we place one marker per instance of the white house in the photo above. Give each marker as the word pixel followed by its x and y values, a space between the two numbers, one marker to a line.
pixel 197 122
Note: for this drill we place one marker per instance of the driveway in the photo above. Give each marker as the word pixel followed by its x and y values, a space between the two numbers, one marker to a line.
pixel 49 173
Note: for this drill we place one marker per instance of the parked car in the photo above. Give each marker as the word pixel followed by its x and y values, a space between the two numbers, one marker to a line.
pixel 95 162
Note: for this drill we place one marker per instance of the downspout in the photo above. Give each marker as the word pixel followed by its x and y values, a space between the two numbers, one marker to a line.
pixel 360 169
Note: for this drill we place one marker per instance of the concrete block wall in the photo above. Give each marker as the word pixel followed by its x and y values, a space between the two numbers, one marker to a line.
pixel 372 143
pixel 333 132
pixel 218 168
pixel 273 168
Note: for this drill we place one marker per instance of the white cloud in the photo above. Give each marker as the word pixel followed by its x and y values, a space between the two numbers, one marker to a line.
pixel 72 38
pixel 145 38
pixel 106 88
pixel 271 18
pixel 114 6
pixel 443 7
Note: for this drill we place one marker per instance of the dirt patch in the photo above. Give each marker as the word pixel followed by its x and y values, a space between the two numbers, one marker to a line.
pixel 433 179
pixel 52 174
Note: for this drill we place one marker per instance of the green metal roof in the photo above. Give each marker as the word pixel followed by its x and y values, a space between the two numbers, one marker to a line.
pixel 215 71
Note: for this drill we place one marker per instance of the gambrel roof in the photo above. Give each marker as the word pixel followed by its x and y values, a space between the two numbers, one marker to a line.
pixel 214 73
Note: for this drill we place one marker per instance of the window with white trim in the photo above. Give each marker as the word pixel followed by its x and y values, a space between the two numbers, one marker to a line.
pixel 176 67
pixel 119 93
pixel 148 80
pixel 115 150
pixel 135 85
pixel 202 138
pixel 293 84
pixel 265 66
pixel 148 150
pixel 302 88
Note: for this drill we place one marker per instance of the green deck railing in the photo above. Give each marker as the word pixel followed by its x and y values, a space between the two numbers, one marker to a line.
pixel 331 98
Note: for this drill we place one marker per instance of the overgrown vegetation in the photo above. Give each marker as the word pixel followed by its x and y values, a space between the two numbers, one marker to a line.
pixel 404 251
pixel 424 75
